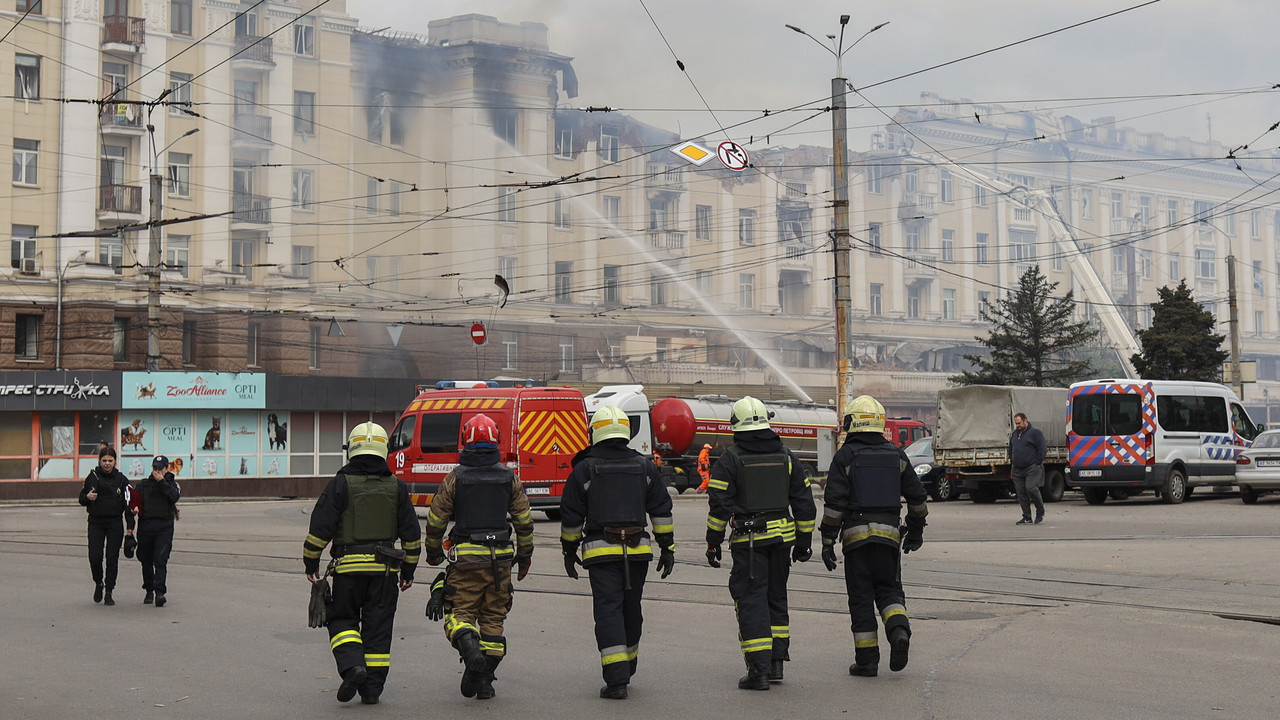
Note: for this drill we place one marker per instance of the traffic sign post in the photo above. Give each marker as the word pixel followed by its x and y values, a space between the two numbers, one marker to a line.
pixel 733 155
pixel 479 335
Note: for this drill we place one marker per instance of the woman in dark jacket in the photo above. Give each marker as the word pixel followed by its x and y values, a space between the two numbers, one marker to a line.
pixel 106 495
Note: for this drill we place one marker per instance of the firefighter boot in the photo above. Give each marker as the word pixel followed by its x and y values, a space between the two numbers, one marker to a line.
pixel 864 669
pixel 775 671
pixel 614 692
pixel 486 691
pixel 899 643
pixel 757 678
pixel 352 679
pixel 468 645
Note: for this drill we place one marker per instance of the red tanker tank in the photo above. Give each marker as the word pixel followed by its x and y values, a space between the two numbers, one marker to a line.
pixel 673 426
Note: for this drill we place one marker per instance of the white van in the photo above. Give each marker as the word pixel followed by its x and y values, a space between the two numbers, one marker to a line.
pixel 1124 436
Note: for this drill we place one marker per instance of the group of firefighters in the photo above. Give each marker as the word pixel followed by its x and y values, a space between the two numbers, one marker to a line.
pixel 758 497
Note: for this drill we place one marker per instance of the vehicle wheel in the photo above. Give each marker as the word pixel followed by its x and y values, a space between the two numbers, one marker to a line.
pixel 1175 488
pixel 1055 484
pixel 984 494
pixel 1094 495
pixel 945 490
pixel 553 514
pixel 1247 496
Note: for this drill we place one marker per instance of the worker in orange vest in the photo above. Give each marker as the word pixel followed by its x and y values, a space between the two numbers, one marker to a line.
pixel 704 467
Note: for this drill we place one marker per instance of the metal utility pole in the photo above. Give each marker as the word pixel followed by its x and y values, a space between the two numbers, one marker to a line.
pixel 153 275
pixel 1237 381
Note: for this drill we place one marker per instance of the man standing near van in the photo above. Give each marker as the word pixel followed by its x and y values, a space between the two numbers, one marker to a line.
pixel 1026 453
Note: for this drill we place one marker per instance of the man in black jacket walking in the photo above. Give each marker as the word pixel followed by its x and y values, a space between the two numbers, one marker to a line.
pixel 1027 450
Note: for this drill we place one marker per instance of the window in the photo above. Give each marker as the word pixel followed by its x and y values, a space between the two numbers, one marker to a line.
pixel 180 174
pixel 302 255
pixel 1175 274
pixel 1257 324
pixel 979 196
pixel 247 24
pixel 564 283
pixel 304 37
pixel 402 435
pixel 877 293
pixel 911 180
pixel 562 218
pixel 609 142
pixel 373 115
pixel 948 245
pixel 1144 209
pixel 657 290
pixel 176 253
pixel 611 294
pixel 1171 213
pixel 371 273
pixel 1086 203
pixel 1022 246
pixel 702 222
pixel 913 238
pixel 22 247
pixel 875 178
pixel 111 252
pixel 657 214
pixel 510 350
pixel 120 339
pixel 25 154
pixel 1255 224
pixel 1257 277
pixel 746 227
pixel 26 337
pixel 612 208
pixel 1205 265
pixel 747 291
pixel 504 125
pixel 1119 259
pixel 179 93
pixel 180 17
pixel 1203 212
pixel 948 304
pixel 566 353
pixel 702 282
pixel 242 257
pixel 304 112
pixel 507 268
pixel 313 348
pixel 302 184
pixel 1144 263
pixel 873 237
pixel 506 205
pixel 31 6
pixel 188 342
pixel 984 303
pixel 26 77
pixel 564 140
pixel 371 196
pixel 115 76
pixel 252 346
pixel 393 197
pixel 1230 221
pixel 945 187
pixel 399 126
pixel 982 242
pixel 913 301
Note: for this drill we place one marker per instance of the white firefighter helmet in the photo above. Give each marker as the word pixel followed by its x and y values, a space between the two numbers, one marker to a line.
pixel 864 414
pixel 610 422
pixel 749 414
pixel 367 438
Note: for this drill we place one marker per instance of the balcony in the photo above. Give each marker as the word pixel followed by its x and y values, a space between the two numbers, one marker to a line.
pixel 664 177
pixel 252 48
pixel 121 118
pixel 921 268
pixel 254 209
pixel 251 129
pixel 125 33
pixel 120 199
pixel 917 205
pixel 670 243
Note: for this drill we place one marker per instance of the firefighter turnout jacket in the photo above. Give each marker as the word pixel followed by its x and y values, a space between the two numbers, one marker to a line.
pixel 753 485
pixel 614 487
pixel 478 496
pixel 861 505
pixel 364 506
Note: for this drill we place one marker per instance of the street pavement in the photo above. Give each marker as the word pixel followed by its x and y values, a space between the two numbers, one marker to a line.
pixel 1126 610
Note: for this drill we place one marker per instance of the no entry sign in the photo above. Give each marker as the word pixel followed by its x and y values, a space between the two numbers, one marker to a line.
pixel 478 334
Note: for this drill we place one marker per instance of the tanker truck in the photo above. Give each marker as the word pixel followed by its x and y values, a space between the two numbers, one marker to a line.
pixel 676 428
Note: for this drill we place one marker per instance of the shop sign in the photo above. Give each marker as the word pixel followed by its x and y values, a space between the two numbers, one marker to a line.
pixel 75 391
pixel 178 390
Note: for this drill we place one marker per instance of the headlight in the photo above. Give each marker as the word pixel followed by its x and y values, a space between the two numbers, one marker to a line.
pixel 923 469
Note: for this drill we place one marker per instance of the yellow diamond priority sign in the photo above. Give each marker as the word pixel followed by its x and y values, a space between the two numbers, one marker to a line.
pixel 693 152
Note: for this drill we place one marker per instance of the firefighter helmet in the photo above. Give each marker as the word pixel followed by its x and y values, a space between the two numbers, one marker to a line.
pixel 749 414
pixel 864 414
pixel 610 422
pixel 479 432
pixel 367 438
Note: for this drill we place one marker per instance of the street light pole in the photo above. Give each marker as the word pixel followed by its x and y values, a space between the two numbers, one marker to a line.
pixel 153 256
pixel 1236 381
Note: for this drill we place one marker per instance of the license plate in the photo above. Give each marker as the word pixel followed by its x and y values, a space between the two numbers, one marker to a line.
pixel 536 490
pixel 1269 463
pixel 1089 473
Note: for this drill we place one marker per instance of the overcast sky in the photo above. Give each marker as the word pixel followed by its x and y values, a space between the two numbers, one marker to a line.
pixel 741 57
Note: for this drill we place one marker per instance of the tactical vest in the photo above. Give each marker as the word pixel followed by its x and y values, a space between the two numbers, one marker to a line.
pixel 481 501
pixel 875 478
pixel 155 506
pixel 764 480
pixel 110 502
pixel 372 510
pixel 618 491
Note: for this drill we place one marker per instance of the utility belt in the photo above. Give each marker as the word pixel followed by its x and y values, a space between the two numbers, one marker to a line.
pixel 383 552
pixel 856 517
pixel 492 539
pixel 743 523
pixel 630 536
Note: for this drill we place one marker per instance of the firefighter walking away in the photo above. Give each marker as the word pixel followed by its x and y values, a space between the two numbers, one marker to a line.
pixel 473 595
pixel 754 483
pixel 606 498
pixel 362 511
pixel 861 510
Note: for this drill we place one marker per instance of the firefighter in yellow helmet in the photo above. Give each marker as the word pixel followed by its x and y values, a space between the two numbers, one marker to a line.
pixel 362 511
pixel 861 510
pixel 606 498
pixel 759 492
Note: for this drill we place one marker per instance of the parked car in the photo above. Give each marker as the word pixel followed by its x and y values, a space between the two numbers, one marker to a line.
pixel 1258 467
pixel 940 487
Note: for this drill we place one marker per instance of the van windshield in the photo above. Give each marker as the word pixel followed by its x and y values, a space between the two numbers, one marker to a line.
pixel 1110 414
pixel 440 432
pixel 402 436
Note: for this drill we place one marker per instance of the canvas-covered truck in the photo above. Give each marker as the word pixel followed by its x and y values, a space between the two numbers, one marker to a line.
pixel 971 439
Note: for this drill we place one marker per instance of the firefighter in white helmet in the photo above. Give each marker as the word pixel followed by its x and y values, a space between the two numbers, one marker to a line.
pixel 861 510
pixel 363 510
pixel 759 492
pixel 606 498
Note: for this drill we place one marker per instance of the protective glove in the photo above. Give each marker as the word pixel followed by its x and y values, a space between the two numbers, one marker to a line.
pixel 570 560
pixel 713 555
pixel 801 553
pixel 667 562
pixel 435 558
pixel 829 556
pixel 435 606
pixel 523 562
pixel 912 538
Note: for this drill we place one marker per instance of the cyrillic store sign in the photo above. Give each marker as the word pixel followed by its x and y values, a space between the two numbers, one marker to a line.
pixel 185 391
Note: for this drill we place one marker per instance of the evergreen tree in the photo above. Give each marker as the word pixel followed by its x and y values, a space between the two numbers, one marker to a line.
pixel 1180 344
pixel 1033 340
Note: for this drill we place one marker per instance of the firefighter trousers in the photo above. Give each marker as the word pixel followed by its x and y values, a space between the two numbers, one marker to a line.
pixel 764 630
pixel 361 619
pixel 618 617
pixel 478 607
pixel 873 579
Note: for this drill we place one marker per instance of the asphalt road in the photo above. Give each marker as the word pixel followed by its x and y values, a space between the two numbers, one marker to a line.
pixel 1126 610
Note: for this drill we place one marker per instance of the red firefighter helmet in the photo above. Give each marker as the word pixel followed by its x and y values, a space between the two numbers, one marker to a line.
pixel 480 431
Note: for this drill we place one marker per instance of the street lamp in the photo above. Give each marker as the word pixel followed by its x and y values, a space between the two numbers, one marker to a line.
pixel 840 179
pixel 153 272
pixel 62 274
